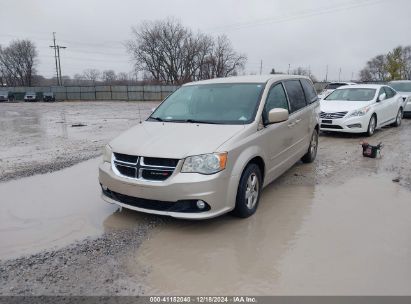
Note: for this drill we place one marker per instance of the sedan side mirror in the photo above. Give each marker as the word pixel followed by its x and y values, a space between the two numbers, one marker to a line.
pixel 382 97
pixel 277 115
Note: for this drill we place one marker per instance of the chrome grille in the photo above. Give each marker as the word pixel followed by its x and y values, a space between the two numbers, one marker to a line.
pixel 332 115
pixel 144 168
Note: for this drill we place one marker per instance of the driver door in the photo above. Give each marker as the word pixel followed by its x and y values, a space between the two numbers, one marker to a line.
pixel 277 137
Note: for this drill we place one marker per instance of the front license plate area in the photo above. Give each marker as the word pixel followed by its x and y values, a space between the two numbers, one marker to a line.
pixel 327 121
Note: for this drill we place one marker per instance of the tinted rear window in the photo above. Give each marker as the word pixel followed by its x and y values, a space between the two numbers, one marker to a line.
pixel 295 94
pixel 310 93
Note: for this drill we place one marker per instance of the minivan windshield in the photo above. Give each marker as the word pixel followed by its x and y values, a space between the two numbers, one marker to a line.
pixel 401 86
pixel 354 94
pixel 227 103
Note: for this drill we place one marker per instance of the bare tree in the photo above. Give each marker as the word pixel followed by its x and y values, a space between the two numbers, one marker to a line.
pixel 109 76
pixel 171 53
pixel 304 72
pixel 91 75
pixel 18 62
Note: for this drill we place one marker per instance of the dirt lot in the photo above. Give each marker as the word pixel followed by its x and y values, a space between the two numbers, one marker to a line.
pixel 338 226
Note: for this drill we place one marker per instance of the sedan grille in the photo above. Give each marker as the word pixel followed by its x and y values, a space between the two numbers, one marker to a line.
pixel 332 115
pixel 144 168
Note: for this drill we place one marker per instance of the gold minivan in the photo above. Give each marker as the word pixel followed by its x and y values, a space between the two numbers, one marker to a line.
pixel 211 147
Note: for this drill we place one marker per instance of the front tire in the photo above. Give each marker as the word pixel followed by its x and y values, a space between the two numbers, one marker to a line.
pixel 248 192
pixel 372 125
pixel 309 157
pixel 398 120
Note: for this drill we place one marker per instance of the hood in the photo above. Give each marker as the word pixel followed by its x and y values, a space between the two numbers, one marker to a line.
pixel 342 105
pixel 173 140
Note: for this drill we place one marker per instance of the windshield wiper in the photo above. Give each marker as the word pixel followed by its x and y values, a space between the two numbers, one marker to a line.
pixel 197 121
pixel 156 118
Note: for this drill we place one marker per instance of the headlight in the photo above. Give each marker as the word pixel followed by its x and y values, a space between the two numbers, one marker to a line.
pixel 107 153
pixel 205 164
pixel 360 112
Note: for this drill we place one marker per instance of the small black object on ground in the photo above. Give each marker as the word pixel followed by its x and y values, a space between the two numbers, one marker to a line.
pixel 370 150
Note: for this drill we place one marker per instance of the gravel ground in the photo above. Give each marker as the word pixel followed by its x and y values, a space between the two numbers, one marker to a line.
pixel 40 138
pixel 45 137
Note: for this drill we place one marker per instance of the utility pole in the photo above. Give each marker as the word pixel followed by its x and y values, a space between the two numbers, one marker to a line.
pixel 289 65
pixel 58 55
pixel 326 74
pixel 339 75
pixel 261 66
pixel 55 57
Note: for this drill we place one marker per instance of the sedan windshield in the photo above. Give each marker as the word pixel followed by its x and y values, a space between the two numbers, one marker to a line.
pixel 401 86
pixel 232 103
pixel 355 94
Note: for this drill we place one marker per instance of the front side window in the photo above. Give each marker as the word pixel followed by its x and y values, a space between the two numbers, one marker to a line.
pixel 390 93
pixel 295 94
pixel 276 99
pixel 227 103
pixel 355 94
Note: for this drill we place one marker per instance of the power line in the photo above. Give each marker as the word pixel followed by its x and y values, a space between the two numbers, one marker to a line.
pixel 303 14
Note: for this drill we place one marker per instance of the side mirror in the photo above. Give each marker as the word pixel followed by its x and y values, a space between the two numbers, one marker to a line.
pixel 277 115
pixel 382 97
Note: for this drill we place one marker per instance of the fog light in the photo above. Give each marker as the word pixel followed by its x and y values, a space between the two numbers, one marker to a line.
pixel 354 126
pixel 200 204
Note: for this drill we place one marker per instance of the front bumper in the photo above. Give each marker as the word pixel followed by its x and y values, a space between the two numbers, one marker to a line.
pixel 357 124
pixel 217 190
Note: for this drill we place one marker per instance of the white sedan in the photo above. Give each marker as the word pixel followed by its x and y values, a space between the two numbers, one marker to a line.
pixel 361 109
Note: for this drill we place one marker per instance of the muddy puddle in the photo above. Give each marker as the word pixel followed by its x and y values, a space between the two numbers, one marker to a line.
pixel 347 239
pixel 51 210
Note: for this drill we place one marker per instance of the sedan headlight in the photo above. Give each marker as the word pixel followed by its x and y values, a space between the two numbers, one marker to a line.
pixel 205 163
pixel 360 112
pixel 107 154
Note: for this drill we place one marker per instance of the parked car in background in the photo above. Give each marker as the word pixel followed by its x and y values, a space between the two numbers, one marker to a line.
pixel 361 109
pixel 6 96
pixel 49 96
pixel 211 146
pixel 331 87
pixel 30 96
pixel 403 87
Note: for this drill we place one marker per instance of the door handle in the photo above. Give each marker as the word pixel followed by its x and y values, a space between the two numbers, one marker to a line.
pixel 290 125
pixel 297 121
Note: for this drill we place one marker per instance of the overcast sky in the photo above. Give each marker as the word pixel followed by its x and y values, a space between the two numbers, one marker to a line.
pixel 311 33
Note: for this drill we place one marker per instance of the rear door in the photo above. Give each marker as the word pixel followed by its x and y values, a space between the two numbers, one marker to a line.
pixel 300 117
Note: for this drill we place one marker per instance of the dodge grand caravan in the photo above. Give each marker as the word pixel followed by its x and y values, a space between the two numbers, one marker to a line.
pixel 211 147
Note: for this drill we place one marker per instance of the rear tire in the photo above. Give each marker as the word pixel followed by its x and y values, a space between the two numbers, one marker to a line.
pixel 398 119
pixel 372 125
pixel 248 192
pixel 309 157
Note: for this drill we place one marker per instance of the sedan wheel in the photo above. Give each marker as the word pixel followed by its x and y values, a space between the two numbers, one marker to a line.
pixel 371 126
pixel 398 120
